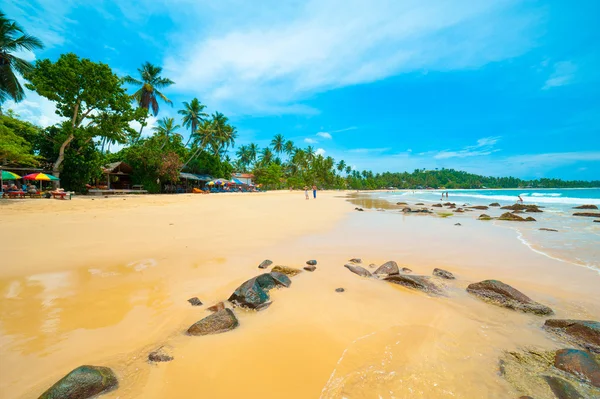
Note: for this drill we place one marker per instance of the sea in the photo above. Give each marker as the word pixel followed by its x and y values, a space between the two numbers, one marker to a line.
pixel 577 240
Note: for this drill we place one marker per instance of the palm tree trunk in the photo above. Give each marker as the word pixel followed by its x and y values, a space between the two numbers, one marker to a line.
pixel 194 155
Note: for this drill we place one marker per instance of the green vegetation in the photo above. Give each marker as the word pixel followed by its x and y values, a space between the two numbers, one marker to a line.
pixel 98 113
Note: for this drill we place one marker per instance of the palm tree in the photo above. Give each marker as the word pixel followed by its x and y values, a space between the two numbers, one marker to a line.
pixel 341 166
pixel 166 127
pixel 278 143
pixel 224 134
pixel 193 113
pixel 348 170
pixel 310 153
pixel 289 147
pixel 252 152
pixel 151 81
pixel 13 38
pixel 266 156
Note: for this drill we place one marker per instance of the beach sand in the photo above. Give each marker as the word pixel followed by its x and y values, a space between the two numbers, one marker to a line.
pixel 106 281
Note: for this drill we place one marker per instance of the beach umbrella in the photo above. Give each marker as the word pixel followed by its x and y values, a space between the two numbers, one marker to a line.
pixel 40 177
pixel 6 175
pixel 237 181
pixel 221 182
pixel 210 183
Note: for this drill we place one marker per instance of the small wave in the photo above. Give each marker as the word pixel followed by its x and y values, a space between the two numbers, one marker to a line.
pixel 540 200
pixel 542 194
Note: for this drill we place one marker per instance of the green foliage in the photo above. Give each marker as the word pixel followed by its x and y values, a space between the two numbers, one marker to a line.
pixel 271 176
pixel 14 149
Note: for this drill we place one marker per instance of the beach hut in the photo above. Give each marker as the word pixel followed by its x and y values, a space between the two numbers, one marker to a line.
pixel 118 175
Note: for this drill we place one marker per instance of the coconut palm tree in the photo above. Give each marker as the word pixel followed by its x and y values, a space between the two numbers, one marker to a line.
pixel 278 143
pixel 166 127
pixel 252 152
pixel 13 38
pixel 310 153
pixel 289 147
pixel 348 170
pixel 341 166
pixel 266 155
pixel 193 114
pixel 147 94
pixel 224 134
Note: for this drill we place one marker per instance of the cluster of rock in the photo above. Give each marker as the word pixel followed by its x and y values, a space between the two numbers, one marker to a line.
pixel 523 207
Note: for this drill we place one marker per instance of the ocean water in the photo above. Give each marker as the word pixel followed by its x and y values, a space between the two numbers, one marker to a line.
pixel 577 240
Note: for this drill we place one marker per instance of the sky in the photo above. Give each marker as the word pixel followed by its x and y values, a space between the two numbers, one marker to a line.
pixel 495 87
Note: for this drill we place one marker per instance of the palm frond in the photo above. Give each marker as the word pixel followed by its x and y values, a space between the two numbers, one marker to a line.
pixel 163 97
pixel 130 80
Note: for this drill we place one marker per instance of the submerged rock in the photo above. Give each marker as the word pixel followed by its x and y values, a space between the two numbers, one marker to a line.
pixel 254 294
pixel 388 268
pixel 160 355
pixel 437 205
pixel 459 210
pixel 529 219
pixel 457 224
pixel 359 209
pixel 265 263
pixel 443 274
pixel 195 301
pixel 217 323
pixel 288 271
pixel 311 262
pixel 310 268
pixel 421 283
pixel 504 295
pixel 523 207
pixel 515 218
pixel 585 333
pixel 83 382
pixel 562 389
pixel 419 203
pixel 480 207
pixel 494 204
pixel 483 216
pixel 339 290
pixel 582 364
pixel 587 214
pixel 586 207
pixel 361 271
pixel 355 260
pixel 216 307
pixel 401 203
pixel 547 229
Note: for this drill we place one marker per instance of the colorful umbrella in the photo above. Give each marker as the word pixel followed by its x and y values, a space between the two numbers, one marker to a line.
pixel 221 182
pixel 210 183
pixel 40 176
pixel 6 175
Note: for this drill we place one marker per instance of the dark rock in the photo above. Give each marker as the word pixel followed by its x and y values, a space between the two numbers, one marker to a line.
pixel 372 265
pixel 494 204
pixel 420 203
pixel 310 268
pixel 406 270
pixel 361 271
pixel 281 279
pixel 443 274
pixel 265 263
pixel 216 307
pixel 401 203
pixel 83 382
pixel 421 283
pixel 587 214
pixel 355 260
pixel 311 262
pixel 339 290
pixel 596 221
pixel 359 209
pixel 254 294
pixel 160 355
pixel 449 204
pixel 581 364
pixel 459 210
pixel 219 322
pixel 289 271
pixel 547 229
pixel 406 210
pixel 515 218
pixel 522 207
pixel 585 333
pixel 586 207
pixel 517 212
pixel 561 388
pixel 388 268
pixel 195 301
pixel 529 219
pixel 457 224
pixel 480 207
pixel 504 295
pixel 483 216
pixel 437 205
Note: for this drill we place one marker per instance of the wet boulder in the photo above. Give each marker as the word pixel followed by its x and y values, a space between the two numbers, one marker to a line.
pixel 494 204
pixel 339 290
pixel 587 214
pixel 310 268
pixel 265 263
pixel 504 295
pixel 268 281
pixel 288 271
pixel 311 262
pixel 216 307
pixel 250 295
pixel 561 388
pixel 480 207
pixel 483 216
pixel 401 203
pixel 195 301
pixel 389 268
pixel 160 355
pixel 83 382
pixel 406 270
pixel 515 218
pixel 421 283
pixel 443 274
pixel 529 219
pixel 361 271
pixel 459 210
pixel 420 203
pixel 457 224
pixel 437 205
pixel 523 207
pixel 217 323
pixel 359 209
pixel 585 333
pixel 582 364
pixel 586 207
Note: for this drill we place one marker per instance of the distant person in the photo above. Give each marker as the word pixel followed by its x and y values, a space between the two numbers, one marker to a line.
pixel 306 192
pixel 314 192
pixel 520 199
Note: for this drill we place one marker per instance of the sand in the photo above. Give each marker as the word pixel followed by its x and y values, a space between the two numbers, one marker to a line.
pixel 106 281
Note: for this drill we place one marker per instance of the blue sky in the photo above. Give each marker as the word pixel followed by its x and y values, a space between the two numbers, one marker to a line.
pixel 495 87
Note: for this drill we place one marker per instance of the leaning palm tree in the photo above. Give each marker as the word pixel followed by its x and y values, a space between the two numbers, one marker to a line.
pixel 193 114
pixel 166 127
pixel 13 38
pixel 278 143
pixel 147 95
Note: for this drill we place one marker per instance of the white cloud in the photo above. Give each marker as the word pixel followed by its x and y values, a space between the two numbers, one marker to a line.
pixel 562 74
pixel 35 109
pixel 151 123
pixel 320 151
pixel 344 129
pixel 324 135
pixel 310 141
pixel 326 44
pixel 484 146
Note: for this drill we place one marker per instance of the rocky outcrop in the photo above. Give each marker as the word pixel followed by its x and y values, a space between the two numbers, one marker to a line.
pixel 586 207
pixel 515 218
pixel 288 271
pixel 480 207
pixel 504 295
pixel 585 333
pixel 443 274
pixel 160 355
pixel 494 204
pixel 311 262
pixel 483 216
pixel 195 301
pixel 581 364
pixel 437 205
pixel 253 294
pixel 523 207
pixel 587 214
pixel 547 229
pixel 265 263
pixel 409 210
pixel 421 283
pixel 361 271
pixel 217 323
pixel 561 388
pixel 83 382
pixel 310 268
pixel 389 268
pixel 216 307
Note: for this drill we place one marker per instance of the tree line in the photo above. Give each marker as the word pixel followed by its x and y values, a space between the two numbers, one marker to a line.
pixel 99 108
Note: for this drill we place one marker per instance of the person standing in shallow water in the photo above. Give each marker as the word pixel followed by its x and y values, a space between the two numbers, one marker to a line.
pixel 314 192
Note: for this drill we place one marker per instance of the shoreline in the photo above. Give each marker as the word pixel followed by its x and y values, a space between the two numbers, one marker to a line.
pixel 134 309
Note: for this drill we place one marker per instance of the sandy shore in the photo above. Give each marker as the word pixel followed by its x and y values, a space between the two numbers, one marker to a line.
pixel 106 281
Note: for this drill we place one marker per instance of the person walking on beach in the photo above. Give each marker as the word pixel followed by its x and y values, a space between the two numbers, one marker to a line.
pixel 314 192
pixel 306 192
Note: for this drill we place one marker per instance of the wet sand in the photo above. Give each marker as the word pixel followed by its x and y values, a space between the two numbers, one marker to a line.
pixel 104 282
